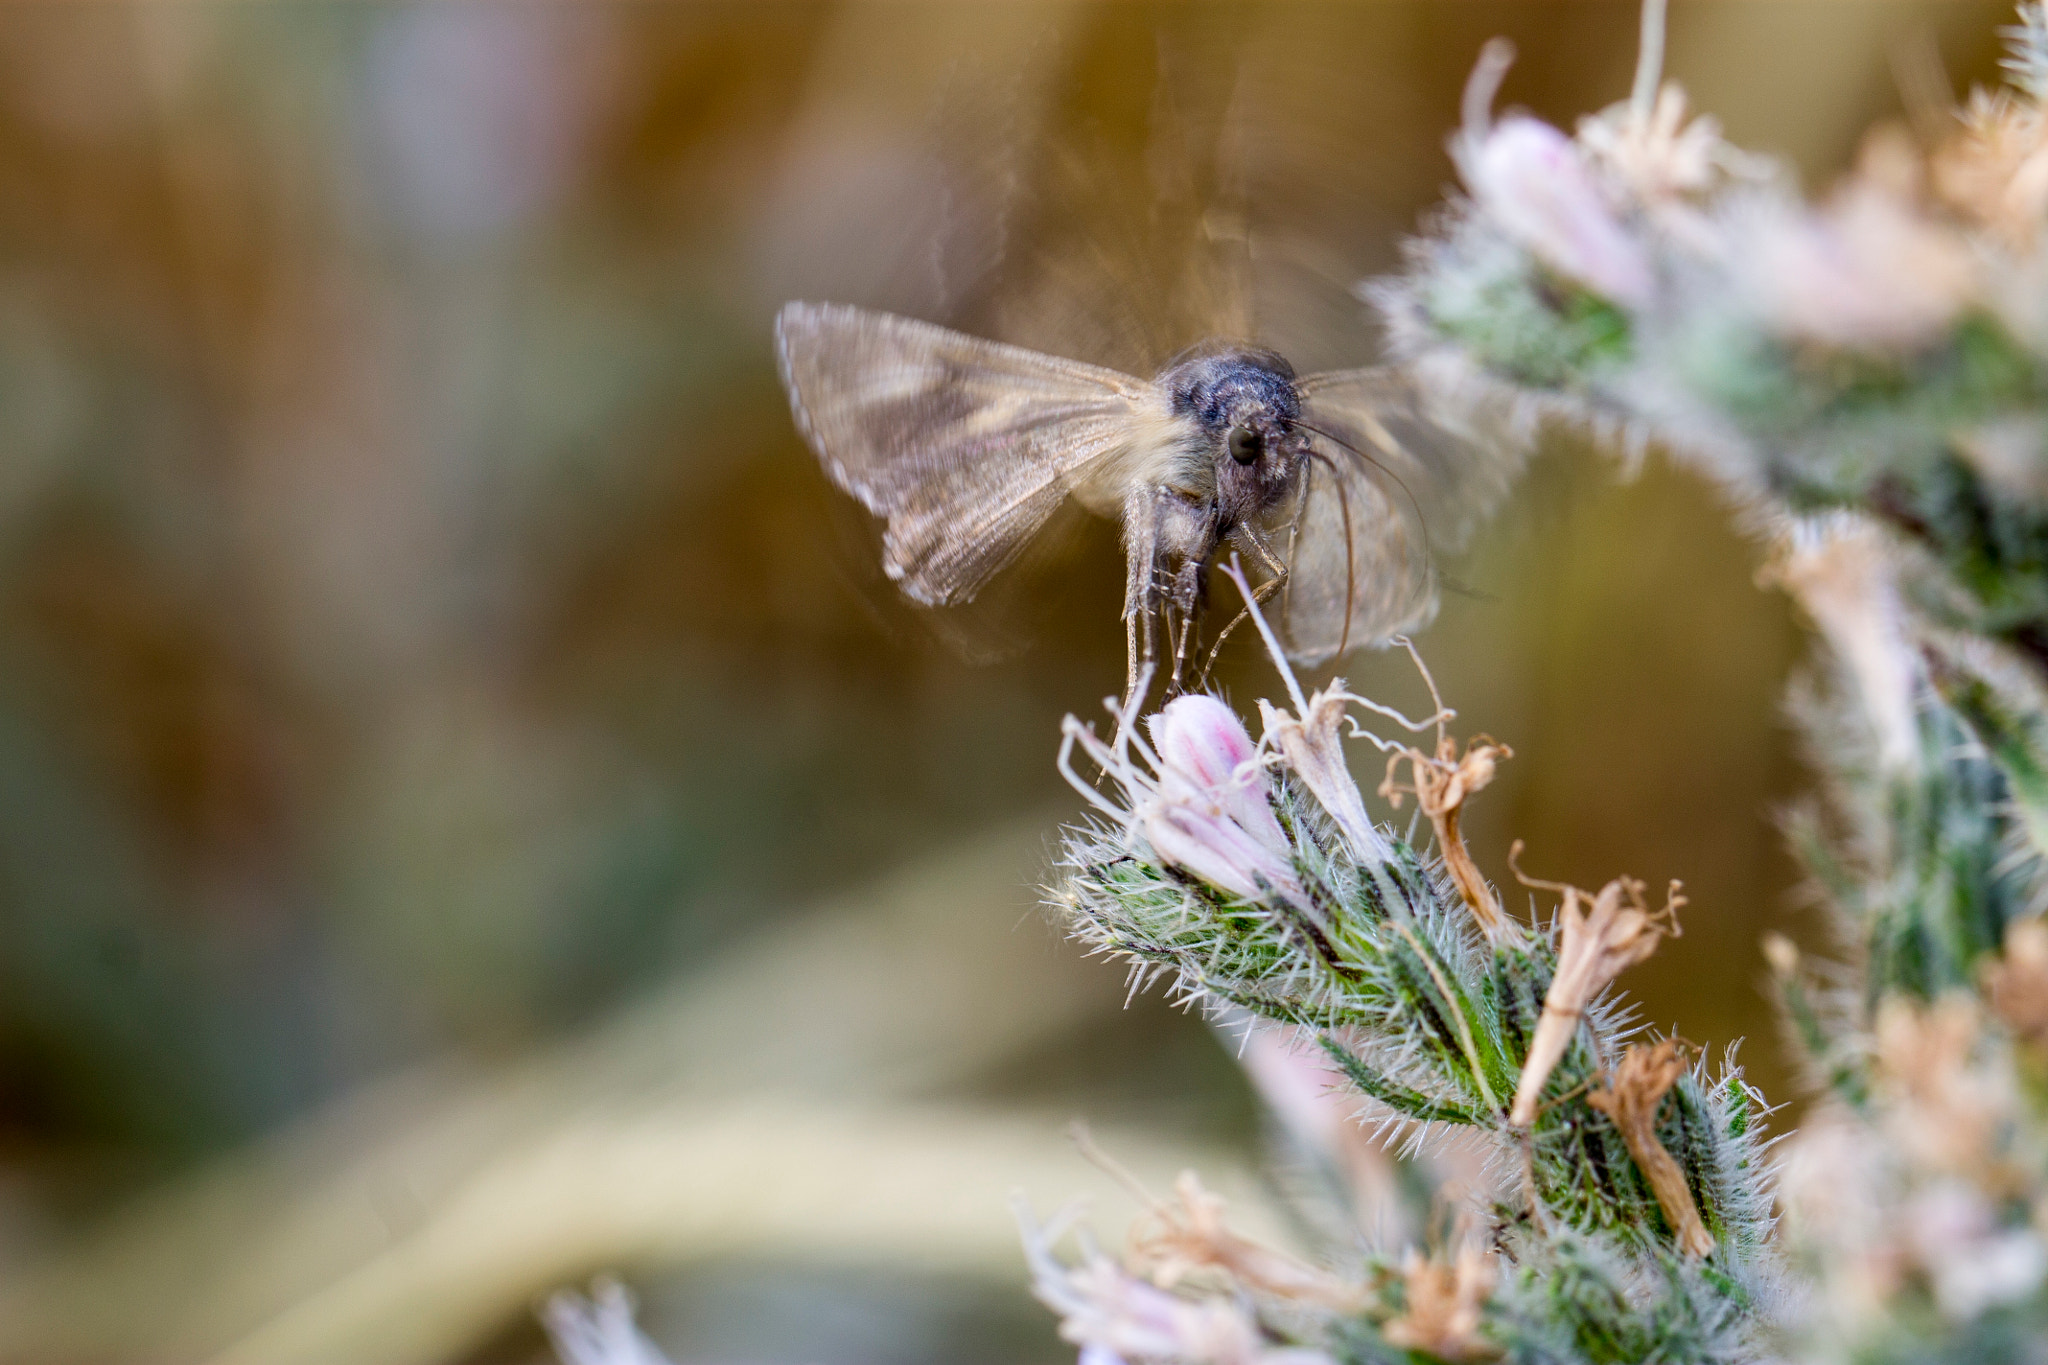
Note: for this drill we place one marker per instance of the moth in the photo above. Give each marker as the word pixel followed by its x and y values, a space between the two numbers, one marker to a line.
pixel 1330 486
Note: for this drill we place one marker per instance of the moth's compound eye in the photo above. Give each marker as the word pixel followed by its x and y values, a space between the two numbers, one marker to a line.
pixel 1245 445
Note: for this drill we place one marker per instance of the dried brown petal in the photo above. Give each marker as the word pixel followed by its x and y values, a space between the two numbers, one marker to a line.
pixel 1594 946
pixel 1444 1299
pixel 1645 1076
pixel 1313 746
pixel 1190 1237
pixel 1441 786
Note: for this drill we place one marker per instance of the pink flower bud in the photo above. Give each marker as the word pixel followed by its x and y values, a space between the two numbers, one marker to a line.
pixel 1207 753
pixel 1211 816
pixel 1194 836
pixel 1531 180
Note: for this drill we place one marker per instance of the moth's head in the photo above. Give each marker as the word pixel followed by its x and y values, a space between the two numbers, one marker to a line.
pixel 1244 406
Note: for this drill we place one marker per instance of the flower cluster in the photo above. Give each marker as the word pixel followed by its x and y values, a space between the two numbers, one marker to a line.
pixel 1882 352
pixel 1617 1203
pixel 1868 372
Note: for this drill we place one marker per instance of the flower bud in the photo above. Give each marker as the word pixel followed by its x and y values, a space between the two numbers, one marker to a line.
pixel 1531 180
pixel 1211 816
pixel 1116 1317
pixel 1204 746
pixel 1189 832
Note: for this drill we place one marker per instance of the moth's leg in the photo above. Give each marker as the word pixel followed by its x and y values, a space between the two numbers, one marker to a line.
pixel 1253 542
pixel 1142 517
pixel 1130 655
pixel 1248 540
pixel 1176 634
pixel 1148 645
pixel 1187 604
pixel 1167 539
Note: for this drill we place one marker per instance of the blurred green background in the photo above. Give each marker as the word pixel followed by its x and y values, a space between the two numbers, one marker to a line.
pixel 470 816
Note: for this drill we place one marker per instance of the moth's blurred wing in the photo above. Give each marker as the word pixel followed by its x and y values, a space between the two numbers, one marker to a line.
pixel 965 446
pixel 1419 476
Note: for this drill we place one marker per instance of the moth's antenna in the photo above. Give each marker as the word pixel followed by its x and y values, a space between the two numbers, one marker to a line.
pixel 1406 492
pixel 1350 567
pixel 1421 521
pixel 1294 539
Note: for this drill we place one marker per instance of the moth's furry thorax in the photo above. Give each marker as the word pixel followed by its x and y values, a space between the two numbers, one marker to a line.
pixel 1220 384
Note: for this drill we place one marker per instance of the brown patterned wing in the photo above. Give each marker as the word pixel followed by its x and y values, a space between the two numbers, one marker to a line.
pixel 1398 478
pixel 965 446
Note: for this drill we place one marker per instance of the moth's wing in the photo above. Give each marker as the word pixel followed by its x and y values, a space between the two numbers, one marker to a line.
pixel 1420 473
pixel 965 446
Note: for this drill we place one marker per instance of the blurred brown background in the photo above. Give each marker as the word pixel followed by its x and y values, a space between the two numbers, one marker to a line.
pixel 469 816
